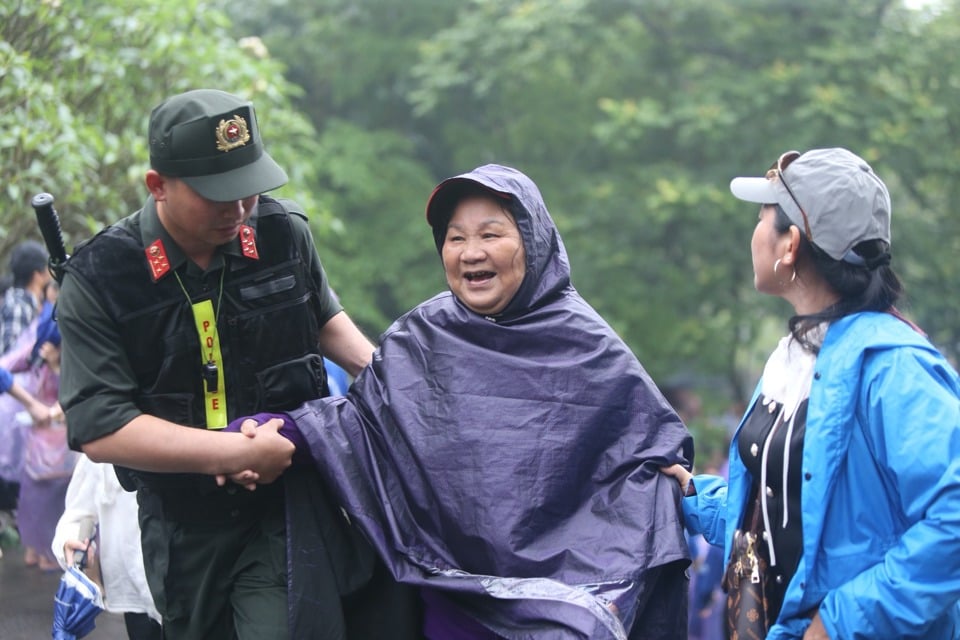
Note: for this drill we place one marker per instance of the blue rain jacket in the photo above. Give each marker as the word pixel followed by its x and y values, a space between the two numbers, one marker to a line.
pixel 881 489
pixel 512 462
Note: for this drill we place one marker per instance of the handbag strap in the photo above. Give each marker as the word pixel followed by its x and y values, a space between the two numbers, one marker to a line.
pixel 752 517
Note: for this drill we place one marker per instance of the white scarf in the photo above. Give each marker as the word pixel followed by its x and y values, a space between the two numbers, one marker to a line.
pixel 788 374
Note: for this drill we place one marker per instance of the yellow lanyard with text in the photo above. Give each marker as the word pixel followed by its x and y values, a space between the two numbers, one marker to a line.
pixel 215 396
pixel 214 391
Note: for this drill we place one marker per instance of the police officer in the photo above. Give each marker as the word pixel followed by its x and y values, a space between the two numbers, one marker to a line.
pixel 207 304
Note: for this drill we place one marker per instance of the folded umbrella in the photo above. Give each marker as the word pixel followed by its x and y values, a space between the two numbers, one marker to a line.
pixel 76 605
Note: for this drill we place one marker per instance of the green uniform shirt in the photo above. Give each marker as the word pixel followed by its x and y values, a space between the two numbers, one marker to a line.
pixel 97 383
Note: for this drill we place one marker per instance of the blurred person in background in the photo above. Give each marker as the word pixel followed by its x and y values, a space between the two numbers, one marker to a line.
pixel 15 398
pixel 22 299
pixel 114 559
pixel 48 461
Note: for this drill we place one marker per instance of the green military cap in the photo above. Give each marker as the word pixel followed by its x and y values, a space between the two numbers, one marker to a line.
pixel 210 140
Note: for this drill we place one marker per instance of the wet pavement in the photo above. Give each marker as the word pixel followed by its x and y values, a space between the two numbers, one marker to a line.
pixel 26 603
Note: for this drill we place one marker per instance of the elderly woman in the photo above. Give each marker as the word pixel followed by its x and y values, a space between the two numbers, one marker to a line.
pixel 502 450
pixel 841 518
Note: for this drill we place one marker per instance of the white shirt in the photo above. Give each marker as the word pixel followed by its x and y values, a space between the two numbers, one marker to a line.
pixel 94 494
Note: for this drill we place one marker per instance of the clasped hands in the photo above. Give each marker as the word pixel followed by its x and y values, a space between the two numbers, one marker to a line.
pixel 265 468
pixel 267 455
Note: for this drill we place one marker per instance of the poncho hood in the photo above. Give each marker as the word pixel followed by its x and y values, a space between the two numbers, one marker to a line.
pixel 513 464
pixel 548 270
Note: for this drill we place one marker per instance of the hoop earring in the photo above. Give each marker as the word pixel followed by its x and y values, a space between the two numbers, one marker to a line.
pixel 776 265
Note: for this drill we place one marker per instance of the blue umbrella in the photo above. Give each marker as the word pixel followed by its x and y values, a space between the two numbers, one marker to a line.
pixel 77 603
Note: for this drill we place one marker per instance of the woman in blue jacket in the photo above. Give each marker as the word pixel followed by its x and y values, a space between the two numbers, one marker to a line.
pixel 847 462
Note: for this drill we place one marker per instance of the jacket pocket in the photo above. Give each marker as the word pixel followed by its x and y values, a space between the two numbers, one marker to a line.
pixel 289 384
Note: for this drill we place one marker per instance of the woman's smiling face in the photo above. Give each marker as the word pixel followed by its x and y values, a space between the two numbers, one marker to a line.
pixel 483 255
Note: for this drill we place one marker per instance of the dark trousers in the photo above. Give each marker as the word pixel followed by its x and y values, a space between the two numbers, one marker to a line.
pixel 140 626
pixel 9 493
pixel 218 580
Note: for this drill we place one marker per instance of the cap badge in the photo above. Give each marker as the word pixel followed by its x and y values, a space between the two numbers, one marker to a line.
pixel 232 133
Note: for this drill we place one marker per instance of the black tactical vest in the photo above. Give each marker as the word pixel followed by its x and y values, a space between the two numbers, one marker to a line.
pixel 267 324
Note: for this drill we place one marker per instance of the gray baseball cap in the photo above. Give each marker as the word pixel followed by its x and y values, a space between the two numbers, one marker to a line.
pixel 844 201
pixel 210 139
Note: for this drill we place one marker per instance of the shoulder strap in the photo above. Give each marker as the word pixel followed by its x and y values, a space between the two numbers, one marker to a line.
pixel 274 206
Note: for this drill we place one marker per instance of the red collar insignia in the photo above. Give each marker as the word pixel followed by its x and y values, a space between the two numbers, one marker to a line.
pixel 157 259
pixel 248 242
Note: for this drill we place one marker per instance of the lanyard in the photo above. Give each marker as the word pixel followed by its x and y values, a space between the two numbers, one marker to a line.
pixel 214 389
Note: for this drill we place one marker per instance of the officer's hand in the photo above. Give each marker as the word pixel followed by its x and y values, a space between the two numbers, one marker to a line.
pixel 262 456
pixel 249 427
pixel 270 452
pixel 247 478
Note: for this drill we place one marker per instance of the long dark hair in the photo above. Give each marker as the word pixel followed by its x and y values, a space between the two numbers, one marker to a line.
pixel 871 286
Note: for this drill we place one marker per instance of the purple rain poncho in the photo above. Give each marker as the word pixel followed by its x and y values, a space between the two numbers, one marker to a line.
pixel 511 463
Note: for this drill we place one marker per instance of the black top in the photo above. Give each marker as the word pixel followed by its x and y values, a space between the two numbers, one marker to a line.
pixel 787 537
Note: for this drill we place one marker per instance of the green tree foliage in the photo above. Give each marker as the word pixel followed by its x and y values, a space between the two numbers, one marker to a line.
pixel 372 155
pixel 631 115
pixel 77 83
